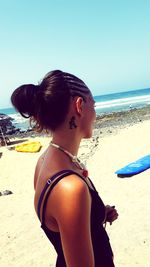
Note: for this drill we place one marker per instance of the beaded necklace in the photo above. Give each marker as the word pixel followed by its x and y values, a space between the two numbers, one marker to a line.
pixel 73 158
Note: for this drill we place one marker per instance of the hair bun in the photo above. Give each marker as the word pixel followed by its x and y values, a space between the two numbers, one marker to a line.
pixel 24 99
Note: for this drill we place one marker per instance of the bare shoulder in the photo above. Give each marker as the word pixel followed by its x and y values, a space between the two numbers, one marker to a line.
pixel 71 194
pixel 71 185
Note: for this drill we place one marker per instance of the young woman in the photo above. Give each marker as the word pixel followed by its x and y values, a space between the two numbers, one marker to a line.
pixel 69 208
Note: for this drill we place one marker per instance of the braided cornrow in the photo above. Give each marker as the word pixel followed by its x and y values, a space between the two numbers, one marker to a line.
pixel 48 103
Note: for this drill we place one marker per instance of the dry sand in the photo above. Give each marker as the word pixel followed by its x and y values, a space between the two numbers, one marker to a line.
pixel 23 243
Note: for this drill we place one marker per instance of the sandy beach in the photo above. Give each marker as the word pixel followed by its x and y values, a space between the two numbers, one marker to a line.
pixel 23 243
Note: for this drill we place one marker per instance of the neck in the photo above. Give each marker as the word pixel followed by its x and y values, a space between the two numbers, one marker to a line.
pixel 69 143
pixel 73 158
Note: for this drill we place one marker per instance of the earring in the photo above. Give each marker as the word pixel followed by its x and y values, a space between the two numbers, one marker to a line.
pixel 72 123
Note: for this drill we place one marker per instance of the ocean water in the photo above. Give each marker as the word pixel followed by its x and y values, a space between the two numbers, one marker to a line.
pixel 122 101
pixel 18 120
pixel 105 104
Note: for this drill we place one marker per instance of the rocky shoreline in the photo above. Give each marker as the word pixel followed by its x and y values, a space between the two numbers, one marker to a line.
pixel 113 122
pixel 105 124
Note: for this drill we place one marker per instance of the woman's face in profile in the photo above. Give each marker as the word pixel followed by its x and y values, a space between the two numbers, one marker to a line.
pixel 89 116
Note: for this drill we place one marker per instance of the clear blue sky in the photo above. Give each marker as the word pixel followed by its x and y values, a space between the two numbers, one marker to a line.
pixel 106 43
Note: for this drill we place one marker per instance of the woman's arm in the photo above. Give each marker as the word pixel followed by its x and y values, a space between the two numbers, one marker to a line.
pixel 72 213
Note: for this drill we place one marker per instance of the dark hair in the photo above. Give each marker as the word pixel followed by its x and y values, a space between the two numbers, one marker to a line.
pixel 47 104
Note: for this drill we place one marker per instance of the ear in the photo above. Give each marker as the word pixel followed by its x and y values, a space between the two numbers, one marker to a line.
pixel 79 105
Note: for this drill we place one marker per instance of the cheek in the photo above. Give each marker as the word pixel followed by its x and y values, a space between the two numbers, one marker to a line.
pixel 93 115
pixel 91 122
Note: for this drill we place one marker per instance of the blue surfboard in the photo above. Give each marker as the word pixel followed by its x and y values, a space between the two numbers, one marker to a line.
pixel 135 167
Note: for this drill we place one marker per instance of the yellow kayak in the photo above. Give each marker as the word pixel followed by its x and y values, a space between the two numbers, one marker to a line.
pixel 29 147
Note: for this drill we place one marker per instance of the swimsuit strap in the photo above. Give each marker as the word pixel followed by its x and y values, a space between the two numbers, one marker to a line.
pixel 92 184
pixel 48 188
pixel 44 190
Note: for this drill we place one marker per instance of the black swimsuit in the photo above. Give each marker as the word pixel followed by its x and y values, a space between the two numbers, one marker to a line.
pixel 103 255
